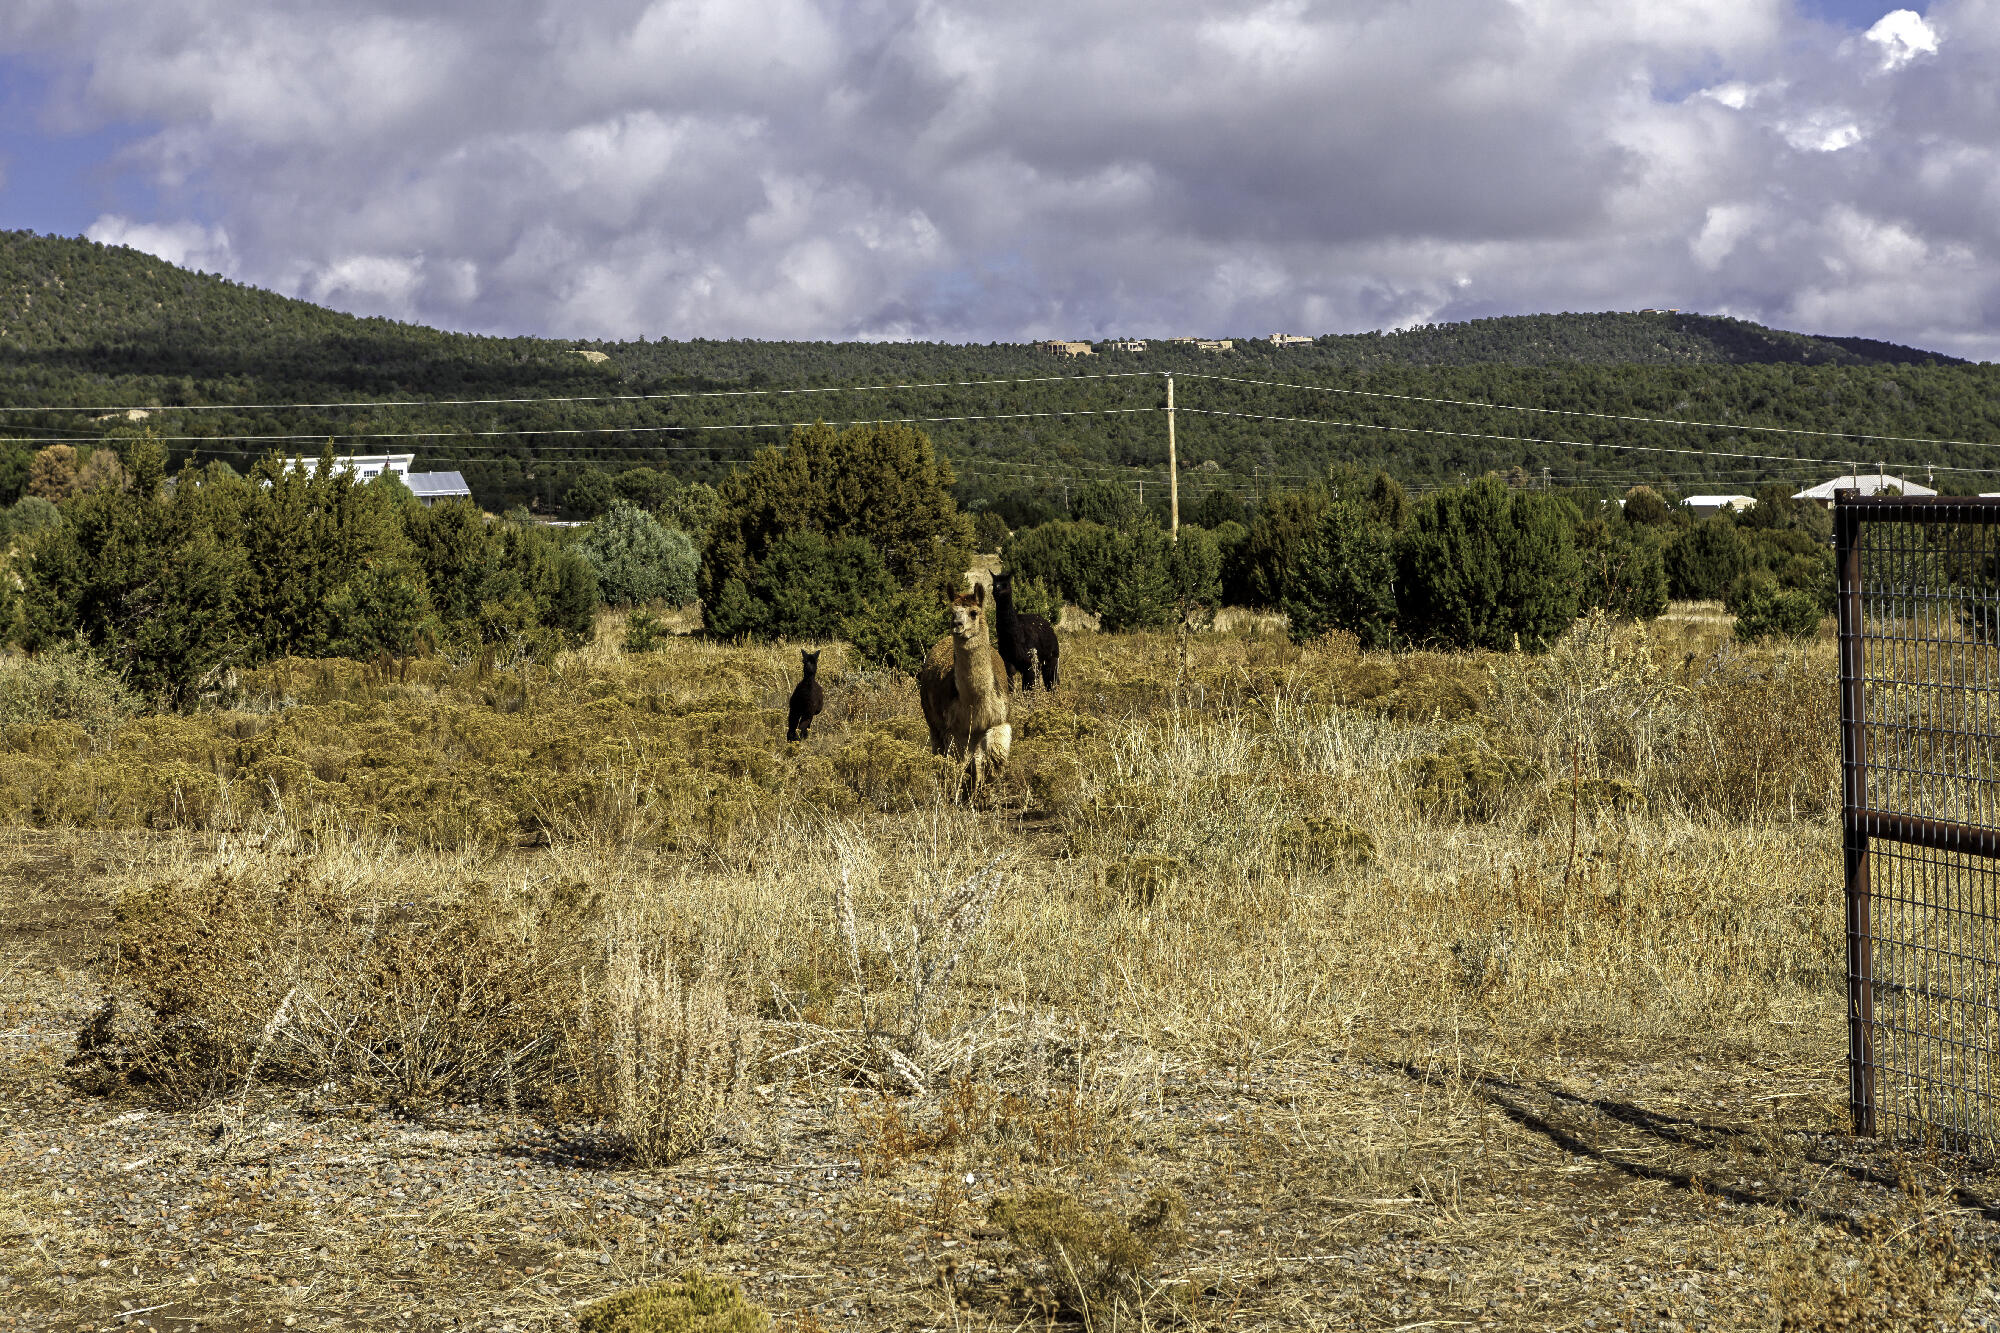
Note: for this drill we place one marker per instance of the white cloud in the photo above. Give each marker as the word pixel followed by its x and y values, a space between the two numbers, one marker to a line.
pixel 953 169
pixel 188 244
pixel 1903 36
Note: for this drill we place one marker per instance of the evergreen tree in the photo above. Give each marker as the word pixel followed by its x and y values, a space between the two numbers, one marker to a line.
pixel 882 482
pixel 144 579
pixel 639 559
pixel 1644 506
pixel 1704 559
pixel 590 494
pixel 1108 504
pixel 1344 577
pixel 1622 569
pixel 1483 567
pixel 52 473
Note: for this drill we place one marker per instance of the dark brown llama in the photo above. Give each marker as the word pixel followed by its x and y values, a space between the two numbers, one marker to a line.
pixel 807 699
pixel 1026 640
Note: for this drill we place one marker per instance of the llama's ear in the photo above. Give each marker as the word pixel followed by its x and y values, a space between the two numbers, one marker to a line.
pixel 979 594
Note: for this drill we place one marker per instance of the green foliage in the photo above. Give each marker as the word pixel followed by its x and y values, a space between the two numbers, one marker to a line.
pixel 697 1303
pixel 1102 1265
pixel 14 463
pixel 150 581
pixel 898 633
pixel 593 492
pixel 1622 570
pixel 1765 611
pixel 1215 508
pixel 989 531
pixel 305 531
pixel 644 632
pixel 693 509
pixel 882 483
pixel 1108 504
pixel 26 517
pixel 382 610
pixel 1343 577
pixel 62 684
pixel 1485 567
pixel 644 487
pixel 1032 597
pixel 639 559
pixel 1079 562
pixel 1267 558
pixel 1141 579
pixel 1704 558
pixel 1644 506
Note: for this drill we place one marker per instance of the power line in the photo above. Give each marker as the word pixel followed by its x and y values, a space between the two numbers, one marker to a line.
pixel 590 430
pixel 590 398
pixel 1574 444
pixel 1599 416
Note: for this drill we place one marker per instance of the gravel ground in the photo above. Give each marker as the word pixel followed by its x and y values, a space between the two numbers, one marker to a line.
pixel 1350 1191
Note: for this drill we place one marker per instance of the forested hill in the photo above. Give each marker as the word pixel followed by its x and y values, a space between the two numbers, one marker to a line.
pixel 89 325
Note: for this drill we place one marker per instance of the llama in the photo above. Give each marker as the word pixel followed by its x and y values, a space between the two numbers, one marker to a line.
pixel 1026 640
pixel 807 700
pixel 963 686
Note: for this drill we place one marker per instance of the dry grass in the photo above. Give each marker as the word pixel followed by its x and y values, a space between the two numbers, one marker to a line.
pixel 1443 988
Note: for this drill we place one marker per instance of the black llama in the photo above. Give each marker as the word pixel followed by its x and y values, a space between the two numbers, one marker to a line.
pixel 1026 640
pixel 807 699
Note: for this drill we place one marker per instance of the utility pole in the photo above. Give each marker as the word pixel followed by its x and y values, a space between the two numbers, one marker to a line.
pixel 1173 468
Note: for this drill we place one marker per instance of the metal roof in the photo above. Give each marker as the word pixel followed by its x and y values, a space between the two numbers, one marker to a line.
pixel 436 485
pixel 1868 483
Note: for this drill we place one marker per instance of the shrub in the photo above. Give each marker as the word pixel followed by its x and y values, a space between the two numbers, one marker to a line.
pixel 810 587
pixel 666 1056
pixel 27 516
pixel 383 610
pixel 1108 504
pixel 882 483
pixel 1089 1262
pixel 697 1303
pixel 1644 506
pixel 1344 577
pixel 1766 611
pixel 462 994
pixel 639 559
pixel 1704 559
pixel 591 494
pixel 1623 572
pixel 1485 567
pixel 644 632
pixel 1268 556
pixel 1079 562
pixel 62 684
pixel 989 531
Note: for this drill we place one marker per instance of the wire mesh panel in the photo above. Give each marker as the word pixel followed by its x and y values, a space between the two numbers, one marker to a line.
pixel 1919 605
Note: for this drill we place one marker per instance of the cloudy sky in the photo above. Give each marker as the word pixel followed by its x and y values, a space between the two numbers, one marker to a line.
pixel 946 169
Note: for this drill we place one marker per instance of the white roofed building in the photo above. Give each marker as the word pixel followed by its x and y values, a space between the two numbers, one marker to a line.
pixel 428 487
pixel 1708 505
pixel 1866 483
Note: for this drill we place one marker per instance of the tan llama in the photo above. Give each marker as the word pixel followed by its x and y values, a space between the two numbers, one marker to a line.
pixel 964 686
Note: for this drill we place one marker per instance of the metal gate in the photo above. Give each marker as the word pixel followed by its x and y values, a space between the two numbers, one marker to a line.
pixel 1919 614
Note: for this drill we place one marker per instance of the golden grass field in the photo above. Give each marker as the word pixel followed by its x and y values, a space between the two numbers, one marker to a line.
pixel 1271 987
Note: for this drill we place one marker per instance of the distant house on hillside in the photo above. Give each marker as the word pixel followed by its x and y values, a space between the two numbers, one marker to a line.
pixel 1287 339
pixel 428 487
pixel 1707 506
pixel 1867 483
pixel 1126 345
pixel 1061 347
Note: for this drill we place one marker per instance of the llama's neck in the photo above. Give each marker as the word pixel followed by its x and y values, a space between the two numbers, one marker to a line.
pixel 972 663
pixel 1003 605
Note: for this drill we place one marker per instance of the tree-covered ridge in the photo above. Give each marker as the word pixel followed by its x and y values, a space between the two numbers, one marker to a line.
pixel 84 325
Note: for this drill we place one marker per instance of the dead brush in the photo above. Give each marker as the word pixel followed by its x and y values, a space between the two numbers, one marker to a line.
pixel 665 1055
pixel 901 978
pixel 1088 1262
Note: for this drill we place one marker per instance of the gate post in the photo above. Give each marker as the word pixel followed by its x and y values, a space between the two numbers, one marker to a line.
pixel 1854 828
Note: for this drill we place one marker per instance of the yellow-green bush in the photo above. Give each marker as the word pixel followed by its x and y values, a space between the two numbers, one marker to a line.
pixel 697 1303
